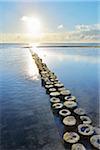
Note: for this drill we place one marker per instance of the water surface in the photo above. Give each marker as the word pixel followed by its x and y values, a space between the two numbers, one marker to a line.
pixel 78 69
pixel 26 120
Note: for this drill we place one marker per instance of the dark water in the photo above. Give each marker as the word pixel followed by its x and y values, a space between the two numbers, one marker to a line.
pixel 23 101
pixel 69 44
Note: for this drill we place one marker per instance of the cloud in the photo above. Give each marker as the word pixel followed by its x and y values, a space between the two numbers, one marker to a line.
pixel 83 27
pixel 24 18
pixel 60 26
pixel 81 33
pixel 88 32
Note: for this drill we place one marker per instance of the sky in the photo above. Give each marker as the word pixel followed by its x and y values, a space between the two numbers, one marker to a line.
pixel 60 21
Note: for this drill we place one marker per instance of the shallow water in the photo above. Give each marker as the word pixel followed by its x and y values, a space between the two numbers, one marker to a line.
pixel 26 122
pixel 78 69
pixel 22 98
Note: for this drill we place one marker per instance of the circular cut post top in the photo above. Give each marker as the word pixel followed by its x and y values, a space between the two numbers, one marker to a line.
pixel 95 141
pixel 69 121
pixel 58 85
pixel 65 92
pixel 71 137
pixel 49 83
pixel 85 119
pixel 57 106
pixel 85 129
pixel 54 94
pixel 78 146
pixel 64 112
pixel 52 90
pixel 61 89
pixel 70 98
pixel 79 111
pixel 48 86
pixel 54 100
pixel 70 104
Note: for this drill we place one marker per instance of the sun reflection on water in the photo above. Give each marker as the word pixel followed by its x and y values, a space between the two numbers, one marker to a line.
pixel 32 69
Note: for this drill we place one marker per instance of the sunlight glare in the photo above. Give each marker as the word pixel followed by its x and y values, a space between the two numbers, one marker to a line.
pixel 33 26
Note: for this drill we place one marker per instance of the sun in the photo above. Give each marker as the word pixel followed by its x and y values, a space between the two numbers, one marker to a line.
pixel 33 26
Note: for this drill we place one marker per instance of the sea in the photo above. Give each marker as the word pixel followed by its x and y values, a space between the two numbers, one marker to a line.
pixel 23 99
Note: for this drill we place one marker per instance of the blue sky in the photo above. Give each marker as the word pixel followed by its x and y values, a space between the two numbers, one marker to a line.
pixel 52 14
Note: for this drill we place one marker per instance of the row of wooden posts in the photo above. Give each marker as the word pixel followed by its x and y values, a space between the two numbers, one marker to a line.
pixel 77 125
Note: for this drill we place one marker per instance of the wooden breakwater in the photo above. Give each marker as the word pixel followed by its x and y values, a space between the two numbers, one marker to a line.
pixel 78 131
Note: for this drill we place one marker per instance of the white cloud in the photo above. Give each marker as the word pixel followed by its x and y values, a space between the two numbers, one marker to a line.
pixel 60 26
pixel 85 33
pixel 24 18
pixel 81 33
pixel 83 27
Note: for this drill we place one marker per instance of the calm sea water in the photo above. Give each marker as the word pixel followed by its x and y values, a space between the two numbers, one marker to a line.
pixel 78 69
pixel 20 89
